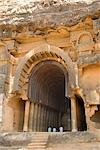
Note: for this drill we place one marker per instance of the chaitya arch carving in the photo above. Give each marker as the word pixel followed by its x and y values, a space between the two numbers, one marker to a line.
pixel 35 56
pixel 85 42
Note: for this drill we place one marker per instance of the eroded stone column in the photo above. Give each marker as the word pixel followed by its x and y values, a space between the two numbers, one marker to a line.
pixel 26 116
pixel 35 118
pixel 31 116
pixel 73 114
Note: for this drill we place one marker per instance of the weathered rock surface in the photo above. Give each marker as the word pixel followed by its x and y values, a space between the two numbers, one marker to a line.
pixel 50 13
pixel 15 139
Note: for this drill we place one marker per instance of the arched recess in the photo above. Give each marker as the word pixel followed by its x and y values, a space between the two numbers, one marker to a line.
pixel 47 90
pixel 34 61
pixel 43 52
pixel 80 112
pixel 85 41
pixel 40 55
pixel 83 34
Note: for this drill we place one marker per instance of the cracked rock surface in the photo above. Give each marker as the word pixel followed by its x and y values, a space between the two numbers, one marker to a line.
pixel 47 12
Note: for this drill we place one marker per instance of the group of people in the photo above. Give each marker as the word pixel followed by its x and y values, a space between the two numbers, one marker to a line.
pixel 50 129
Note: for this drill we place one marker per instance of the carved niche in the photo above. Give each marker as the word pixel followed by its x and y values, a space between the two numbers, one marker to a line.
pixel 85 42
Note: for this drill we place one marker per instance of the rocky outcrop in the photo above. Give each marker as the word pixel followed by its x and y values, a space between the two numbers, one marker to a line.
pixel 47 13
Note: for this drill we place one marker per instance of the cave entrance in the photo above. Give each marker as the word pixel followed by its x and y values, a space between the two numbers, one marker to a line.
pixel 49 105
pixel 80 111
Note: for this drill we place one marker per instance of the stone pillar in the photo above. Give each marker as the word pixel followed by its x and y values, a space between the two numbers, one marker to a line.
pixel 68 120
pixel 41 119
pixel 73 114
pixel 76 74
pixel 46 119
pixel 26 116
pixel 43 124
pixel 50 117
pixel 54 118
pixel 59 118
pixel 8 117
pixel 31 117
pixel 38 117
pixel 35 117
pixel 50 113
pixel 87 110
pixel 66 87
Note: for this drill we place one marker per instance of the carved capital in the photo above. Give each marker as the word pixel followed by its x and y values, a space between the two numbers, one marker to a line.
pixel 23 95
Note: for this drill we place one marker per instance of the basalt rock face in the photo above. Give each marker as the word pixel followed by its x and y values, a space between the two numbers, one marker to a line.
pixel 49 52
pixel 48 13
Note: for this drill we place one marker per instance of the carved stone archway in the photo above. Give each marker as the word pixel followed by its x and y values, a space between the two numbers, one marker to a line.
pixel 28 62
pixel 45 52
pixel 38 59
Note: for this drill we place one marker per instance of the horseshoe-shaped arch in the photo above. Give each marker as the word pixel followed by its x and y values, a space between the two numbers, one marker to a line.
pixel 37 55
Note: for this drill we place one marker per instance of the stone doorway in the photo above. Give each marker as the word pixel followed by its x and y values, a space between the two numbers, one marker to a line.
pixel 80 111
pixel 47 89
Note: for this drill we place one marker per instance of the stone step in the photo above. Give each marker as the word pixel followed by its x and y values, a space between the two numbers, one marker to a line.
pixel 34 149
pixel 38 140
pixel 10 148
pixel 37 147
pixel 40 136
pixel 35 144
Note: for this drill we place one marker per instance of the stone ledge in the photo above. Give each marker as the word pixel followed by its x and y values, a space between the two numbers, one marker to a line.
pixel 72 137
pixel 23 138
